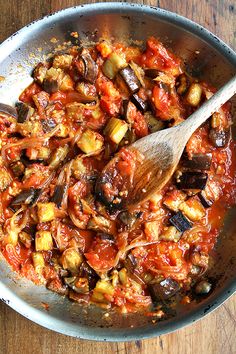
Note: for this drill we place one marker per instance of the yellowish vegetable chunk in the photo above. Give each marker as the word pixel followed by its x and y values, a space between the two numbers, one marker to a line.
pixel 170 234
pixel 193 209
pixel 38 262
pixel 113 64
pixel 46 212
pixel 116 129
pixel 71 259
pixel 43 241
pixel 104 287
pixel 193 96
pixel 152 230
pixel 90 141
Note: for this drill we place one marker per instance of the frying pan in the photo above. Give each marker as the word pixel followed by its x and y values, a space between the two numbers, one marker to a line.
pixel 206 57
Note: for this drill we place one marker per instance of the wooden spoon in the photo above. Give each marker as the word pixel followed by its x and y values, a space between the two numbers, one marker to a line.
pixel 162 151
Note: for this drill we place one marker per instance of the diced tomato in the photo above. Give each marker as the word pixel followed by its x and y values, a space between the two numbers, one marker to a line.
pixel 101 255
pixel 79 190
pixel 161 100
pixel 16 256
pixel 140 125
pixel 158 57
pixel 104 48
pixel 110 97
pixel 27 94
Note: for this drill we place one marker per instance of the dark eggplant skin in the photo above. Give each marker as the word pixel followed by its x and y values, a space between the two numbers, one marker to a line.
pixel 141 105
pixel 192 180
pixel 163 290
pixel 152 73
pixel 24 111
pixel 48 124
pixel 87 272
pixel 206 202
pixel 90 68
pixel 200 162
pixel 6 109
pixel 27 196
pixel 180 222
pixel 219 138
pixel 127 219
pixel 58 194
pixel 50 85
pixel 130 79
pixel 17 168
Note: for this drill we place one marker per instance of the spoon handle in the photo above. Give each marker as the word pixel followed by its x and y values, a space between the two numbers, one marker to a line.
pixel 209 107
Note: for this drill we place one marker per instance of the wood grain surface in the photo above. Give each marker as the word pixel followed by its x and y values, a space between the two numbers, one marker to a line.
pixel 215 334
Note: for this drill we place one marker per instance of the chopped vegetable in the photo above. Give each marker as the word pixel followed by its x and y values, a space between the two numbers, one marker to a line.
pixel 43 241
pixel 170 234
pixel 219 138
pixel 192 180
pixel 112 65
pixel 24 112
pixel 194 94
pixel 90 141
pixel 27 196
pixel 104 287
pixel 139 102
pixel 5 179
pixel 62 61
pixel 116 129
pixel 200 162
pixel 71 259
pixel 38 262
pixel 58 156
pixel 58 194
pixel 203 287
pixel 46 212
pixel 173 199
pixel 180 222
pixel 130 79
pixel 154 124
pixel 193 209
pixel 163 290
pixel 87 67
pixel 152 230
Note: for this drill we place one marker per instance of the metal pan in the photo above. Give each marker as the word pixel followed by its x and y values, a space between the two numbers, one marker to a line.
pixel 207 57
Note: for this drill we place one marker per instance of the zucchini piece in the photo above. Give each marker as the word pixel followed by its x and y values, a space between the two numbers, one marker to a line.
pixel 180 222
pixel 43 241
pixel 5 179
pixel 116 129
pixel 152 230
pixel 18 168
pixel 112 65
pixel 39 72
pixel 27 196
pixel 154 124
pixel 58 156
pixel 90 141
pixel 25 238
pixel 46 212
pixel 79 285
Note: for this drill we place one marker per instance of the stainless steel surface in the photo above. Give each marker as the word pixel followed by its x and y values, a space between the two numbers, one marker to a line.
pixel 215 63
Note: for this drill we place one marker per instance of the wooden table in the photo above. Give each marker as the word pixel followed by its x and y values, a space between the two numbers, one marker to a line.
pixel 215 334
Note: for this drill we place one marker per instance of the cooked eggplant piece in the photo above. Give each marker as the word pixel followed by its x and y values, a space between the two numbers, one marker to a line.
pixel 52 80
pixel 71 260
pixel 170 234
pixel 89 273
pixel 194 94
pixel 99 223
pixel 152 230
pixel 180 222
pixel 46 212
pixel 182 84
pixel 43 241
pixel 192 180
pixel 90 141
pixel 173 199
pixel 193 209
pixel 8 110
pixel 219 138
pixel 152 73
pixel 38 262
pixel 58 194
pixel 200 162
pixel 24 112
pixel 79 285
pixel 163 290
pixel 62 61
pixel 5 178
pixel 130 262
pixel 41 100
pixel 17 168
pixel 154 124
pixel 205 200
pixel 141 105
pixel 128 76
pixel 25 238
pixel 27 196
pixel 127 219
pixel 203 287
pixel 87 92
pixel 40 72
pixel 48 124
pixel 58 156
pixel 87 67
